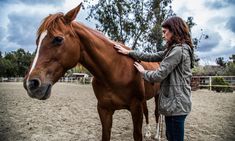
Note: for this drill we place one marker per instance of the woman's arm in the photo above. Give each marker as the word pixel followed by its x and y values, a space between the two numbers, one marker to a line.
pixel 149 57
pixel 166 67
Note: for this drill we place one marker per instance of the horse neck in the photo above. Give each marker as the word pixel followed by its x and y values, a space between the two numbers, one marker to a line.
pixel 97 52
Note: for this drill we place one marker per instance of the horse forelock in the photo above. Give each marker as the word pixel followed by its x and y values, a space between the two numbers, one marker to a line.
pixel 53 23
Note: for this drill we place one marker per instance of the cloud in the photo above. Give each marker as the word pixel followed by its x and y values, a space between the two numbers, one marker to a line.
pixel 218 4
pixel 231 2
pixel 33 2
pixel 207 58
pixel 22 28
pixel 21 18
pixel 209 43
pixel 2 33
pixel 214 17
pixel 224 48
pixel 231 24
pixel 53 2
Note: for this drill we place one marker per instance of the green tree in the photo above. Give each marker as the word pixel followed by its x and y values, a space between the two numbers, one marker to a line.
pixel 220 81
pixel 10 65
pixel 23 61
pixel 6 68
pixel 161 10
pixel 230 67
pixel 129 22
pixel 20 61
pixel 220 61
pixel 190 23
pixel 232 58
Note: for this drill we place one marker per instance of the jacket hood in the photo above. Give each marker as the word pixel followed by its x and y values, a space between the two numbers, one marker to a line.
pixel 191 53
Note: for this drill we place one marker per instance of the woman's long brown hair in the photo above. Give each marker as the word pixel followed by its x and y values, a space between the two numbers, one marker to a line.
pixel 180 31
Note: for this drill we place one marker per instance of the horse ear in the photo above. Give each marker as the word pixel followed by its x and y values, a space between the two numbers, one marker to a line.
pixel 71 15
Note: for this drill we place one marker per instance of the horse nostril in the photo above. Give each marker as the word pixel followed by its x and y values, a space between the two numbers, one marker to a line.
pixel 33 84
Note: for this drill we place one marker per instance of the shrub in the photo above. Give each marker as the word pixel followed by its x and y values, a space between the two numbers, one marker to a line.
pixel 220 81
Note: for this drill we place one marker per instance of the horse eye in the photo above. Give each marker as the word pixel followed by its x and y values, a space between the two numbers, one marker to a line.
pixel 58 40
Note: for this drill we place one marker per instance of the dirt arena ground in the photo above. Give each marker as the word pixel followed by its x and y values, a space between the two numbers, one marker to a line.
pixel 70 115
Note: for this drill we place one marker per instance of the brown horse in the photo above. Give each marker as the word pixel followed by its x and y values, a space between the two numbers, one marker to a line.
pixel 62 43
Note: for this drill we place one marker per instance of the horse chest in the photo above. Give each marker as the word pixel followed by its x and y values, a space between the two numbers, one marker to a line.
pixel 110 100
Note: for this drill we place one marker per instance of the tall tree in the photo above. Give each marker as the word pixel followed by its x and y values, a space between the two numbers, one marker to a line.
pixel 190 23
pixel 232 58
pixel 19 60
pixel 220 61
pixel 122 20
pixel 7 69
pixel 161 10
pixel 230 66
pixel 130 21
pixel 230 69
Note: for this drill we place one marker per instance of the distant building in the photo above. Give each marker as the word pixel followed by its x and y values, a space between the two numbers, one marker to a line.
pixel 79 75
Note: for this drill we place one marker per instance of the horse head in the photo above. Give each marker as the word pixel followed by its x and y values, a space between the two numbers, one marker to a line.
pixel 58 49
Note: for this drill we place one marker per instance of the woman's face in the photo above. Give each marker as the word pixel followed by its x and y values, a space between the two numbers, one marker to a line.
pixel 166 34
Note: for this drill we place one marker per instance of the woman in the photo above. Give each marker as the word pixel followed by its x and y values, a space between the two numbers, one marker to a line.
pixel 174 74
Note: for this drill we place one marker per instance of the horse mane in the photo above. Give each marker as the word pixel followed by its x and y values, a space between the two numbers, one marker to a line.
pixel 52 23
pixel 98 34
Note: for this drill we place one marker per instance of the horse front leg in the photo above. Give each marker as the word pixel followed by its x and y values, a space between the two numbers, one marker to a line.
pixel 106 118
pixel 137 118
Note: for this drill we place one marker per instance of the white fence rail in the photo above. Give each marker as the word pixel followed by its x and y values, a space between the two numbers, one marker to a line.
pixel 11 79
pixel 197 81
pixel 206 81
pixel 82 80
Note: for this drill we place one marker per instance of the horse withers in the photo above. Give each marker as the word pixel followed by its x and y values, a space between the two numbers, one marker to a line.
pixel 63 42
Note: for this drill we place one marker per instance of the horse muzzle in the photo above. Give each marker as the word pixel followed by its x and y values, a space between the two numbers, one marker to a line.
pixel 36 89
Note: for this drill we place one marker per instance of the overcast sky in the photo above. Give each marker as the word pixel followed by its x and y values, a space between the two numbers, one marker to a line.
pixel 19 20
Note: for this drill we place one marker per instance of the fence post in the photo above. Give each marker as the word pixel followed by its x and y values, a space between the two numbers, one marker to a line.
pixel 210 83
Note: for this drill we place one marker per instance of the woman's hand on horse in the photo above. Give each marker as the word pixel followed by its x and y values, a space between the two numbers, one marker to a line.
pixel 121 49
pixel 139 67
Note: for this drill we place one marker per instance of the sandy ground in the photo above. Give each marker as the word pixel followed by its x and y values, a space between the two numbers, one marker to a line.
pixel 70 115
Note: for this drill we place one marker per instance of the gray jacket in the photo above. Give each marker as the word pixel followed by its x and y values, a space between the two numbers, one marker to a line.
pixel 174 74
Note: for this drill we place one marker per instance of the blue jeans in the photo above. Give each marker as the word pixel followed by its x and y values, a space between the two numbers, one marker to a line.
pixel 175 127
